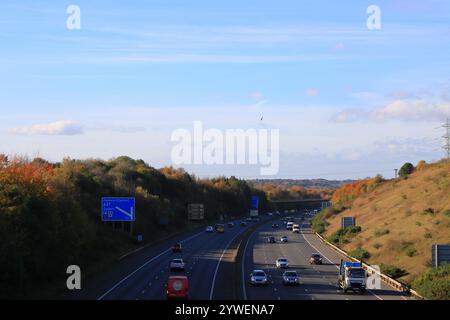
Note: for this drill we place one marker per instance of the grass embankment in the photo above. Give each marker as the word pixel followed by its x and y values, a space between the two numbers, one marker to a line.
pixel 399 221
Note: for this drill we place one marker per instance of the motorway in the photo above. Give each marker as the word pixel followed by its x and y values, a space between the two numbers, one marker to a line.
pixel 143 275
pixel 317 282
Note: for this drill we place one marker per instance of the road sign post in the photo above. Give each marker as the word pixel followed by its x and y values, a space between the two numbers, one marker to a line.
pixel 440 254
pixel 118 209
pixel 196 211
pixel 348 222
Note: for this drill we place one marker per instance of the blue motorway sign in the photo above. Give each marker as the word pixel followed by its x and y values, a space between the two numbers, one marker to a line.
pixel 118 209
pixel 255 202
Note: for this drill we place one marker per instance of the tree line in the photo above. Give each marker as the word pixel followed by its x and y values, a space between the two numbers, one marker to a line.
pixel 50 212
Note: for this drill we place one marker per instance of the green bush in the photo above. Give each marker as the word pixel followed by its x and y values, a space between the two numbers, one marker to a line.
pixel 343 236
pixel 393 271
pixel 428 211
pixel 360 254
pixel 434 283
pixel 319 222
pixel 381 232
pixel 406 170
pixel 377 245
pixel 411 252
pixel 446 213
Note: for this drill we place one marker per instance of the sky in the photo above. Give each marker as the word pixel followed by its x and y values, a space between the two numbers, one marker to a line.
pixel 348 101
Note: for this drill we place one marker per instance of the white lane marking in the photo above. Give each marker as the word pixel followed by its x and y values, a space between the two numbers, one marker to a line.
pixel 243 273
pixel 218 264
pixel 146 263
pixel 301 228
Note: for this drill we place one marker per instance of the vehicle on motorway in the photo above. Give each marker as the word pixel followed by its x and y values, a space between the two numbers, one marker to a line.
pixel 248 219
pixel 177 264
pixel 176 247
pixel 271 239
pixel 230 224
pixel 209 229
pixel 177 287
pixel 278 213
pixel 220 228
pixel 275 225
pixel 269 214
pixel 289 225
pixel 243 224
pixel 282 263
pixel 255 219
pixel 315 259
pixel 290 278
pixel 296 230
pixel 352 276
pixel 284 239
pixel 258 277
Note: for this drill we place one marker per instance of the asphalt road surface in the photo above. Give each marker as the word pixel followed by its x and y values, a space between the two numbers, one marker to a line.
pixel 144 275
pixel 317 282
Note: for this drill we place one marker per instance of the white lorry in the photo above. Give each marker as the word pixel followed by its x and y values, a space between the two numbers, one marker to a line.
pixel 352 276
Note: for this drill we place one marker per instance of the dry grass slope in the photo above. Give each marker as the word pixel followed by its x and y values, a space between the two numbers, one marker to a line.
pixel 401 219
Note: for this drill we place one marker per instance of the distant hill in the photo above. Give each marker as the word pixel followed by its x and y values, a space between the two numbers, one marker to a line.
pixel 400 219
pixel 297 189
pixel 306 183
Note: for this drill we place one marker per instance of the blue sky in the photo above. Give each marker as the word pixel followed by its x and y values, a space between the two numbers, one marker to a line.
pixel 349 102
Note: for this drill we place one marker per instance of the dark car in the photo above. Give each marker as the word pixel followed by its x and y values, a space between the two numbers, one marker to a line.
pixel 176 247
pixel 243 224
pixel 290 278
pixel 230 224
pixel 315 259
pixel 275 225
pixel 271 240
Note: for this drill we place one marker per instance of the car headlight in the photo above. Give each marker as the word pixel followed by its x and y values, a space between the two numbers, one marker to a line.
pixel 252 278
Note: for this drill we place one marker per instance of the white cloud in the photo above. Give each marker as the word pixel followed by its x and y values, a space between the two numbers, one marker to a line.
pixel 312 92
pixel 339 46
pixel 412 110
pixel 348 115
pixel 61 127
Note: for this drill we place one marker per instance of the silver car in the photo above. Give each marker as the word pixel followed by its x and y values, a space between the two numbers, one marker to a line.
pixel 282 263
pixel 177 264
pixel 258 277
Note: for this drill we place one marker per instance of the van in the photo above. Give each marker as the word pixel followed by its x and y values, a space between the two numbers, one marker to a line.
pixel 289 225
pixel 220 228
pixel 177 287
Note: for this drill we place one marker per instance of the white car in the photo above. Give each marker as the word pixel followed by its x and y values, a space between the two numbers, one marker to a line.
pixel 209 229
pixel 258 277
pixel 284 239
pixel 282 263
pixel 177 264
pixel 296 230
